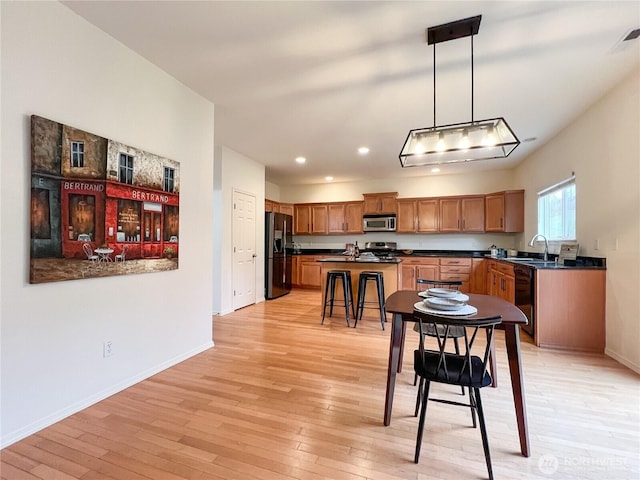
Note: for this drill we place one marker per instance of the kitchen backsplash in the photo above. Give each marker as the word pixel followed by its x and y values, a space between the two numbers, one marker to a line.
pixel 412 241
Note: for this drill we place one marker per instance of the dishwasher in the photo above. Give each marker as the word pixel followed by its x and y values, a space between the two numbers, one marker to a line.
pixel 525 295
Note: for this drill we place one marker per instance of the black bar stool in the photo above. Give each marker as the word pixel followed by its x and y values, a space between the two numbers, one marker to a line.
pixel 330 287
pixel 362 292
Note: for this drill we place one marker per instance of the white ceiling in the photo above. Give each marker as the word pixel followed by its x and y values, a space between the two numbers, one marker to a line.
pixel 320 79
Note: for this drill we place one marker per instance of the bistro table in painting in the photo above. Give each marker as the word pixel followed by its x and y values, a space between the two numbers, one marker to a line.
pixel 90 194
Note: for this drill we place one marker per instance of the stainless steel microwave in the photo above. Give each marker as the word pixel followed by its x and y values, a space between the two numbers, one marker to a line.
pixel 379 223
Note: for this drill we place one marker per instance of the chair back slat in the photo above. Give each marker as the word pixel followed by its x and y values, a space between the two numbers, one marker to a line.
pixel 464 368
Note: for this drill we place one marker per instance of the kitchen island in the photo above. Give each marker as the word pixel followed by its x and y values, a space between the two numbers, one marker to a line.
pixel 388 267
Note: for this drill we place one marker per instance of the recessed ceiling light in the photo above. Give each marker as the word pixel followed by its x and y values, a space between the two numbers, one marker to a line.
pixel 300 160
pixel 329 179
pixel 363 150
pixel 435 170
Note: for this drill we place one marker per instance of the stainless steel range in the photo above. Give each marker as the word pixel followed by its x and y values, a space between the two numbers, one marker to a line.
pixel 382 250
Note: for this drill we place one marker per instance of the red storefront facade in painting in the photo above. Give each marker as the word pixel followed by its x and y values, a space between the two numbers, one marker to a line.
pixel 143 219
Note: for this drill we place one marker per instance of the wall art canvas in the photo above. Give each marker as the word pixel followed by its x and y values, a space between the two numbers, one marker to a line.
pixel 99 207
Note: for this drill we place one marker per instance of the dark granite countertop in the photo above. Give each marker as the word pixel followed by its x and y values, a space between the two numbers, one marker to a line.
pixel 587 263
pixel 360 260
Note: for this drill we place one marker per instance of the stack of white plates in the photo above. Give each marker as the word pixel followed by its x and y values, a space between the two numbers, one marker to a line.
pixel 438 303
pixel 444 293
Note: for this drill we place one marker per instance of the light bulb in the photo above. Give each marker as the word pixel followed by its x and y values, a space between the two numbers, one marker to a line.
pixel 441 147
pixel 489 139
pixel 464 141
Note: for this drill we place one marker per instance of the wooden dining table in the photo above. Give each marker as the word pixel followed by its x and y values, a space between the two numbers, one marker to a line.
pixel 401 303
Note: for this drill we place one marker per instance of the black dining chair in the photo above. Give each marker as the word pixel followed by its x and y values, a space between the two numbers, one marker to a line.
pixel 465 369
pixel 454 333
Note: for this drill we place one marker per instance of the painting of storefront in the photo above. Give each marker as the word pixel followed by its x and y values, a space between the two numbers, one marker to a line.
pixel 99 207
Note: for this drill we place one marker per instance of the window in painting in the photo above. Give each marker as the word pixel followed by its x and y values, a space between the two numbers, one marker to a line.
pixel 169 179
pixel 126 168
pixel 171 220
pixel 77 154
pixel 128 221
pixel 40 214
pixel 82 217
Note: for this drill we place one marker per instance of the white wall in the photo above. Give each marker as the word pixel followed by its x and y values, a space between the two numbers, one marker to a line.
pixel 57 65
pixel 236 173
pixel 602 146
pixel 271 191
pixel 426 186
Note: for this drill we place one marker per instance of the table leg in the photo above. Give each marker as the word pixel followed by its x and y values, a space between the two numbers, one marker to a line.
pixel 395 343
pixel 492 362
pixel 512 340
pixel 401 354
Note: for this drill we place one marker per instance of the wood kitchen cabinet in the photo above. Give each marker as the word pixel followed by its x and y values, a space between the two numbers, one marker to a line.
pixel 416 215
pixel 456 269
pixel 273 206
pixel 286 208
pixel 345 217
pixel 413 268
pixel 380 202
pixel 311 218
pixel 462 214
pixel 478 279
pixel 295 270
pixel 570 309
pixel 502 282
pixel 309 271
pixel 504 211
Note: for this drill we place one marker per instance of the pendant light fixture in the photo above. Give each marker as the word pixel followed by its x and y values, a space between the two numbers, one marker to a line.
pixel 458 142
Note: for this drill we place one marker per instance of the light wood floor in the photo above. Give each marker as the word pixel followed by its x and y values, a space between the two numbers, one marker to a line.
pixel 281 397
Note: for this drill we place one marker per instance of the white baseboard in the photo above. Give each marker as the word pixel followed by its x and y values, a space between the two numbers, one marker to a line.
pixel 622 360
pixel 49 420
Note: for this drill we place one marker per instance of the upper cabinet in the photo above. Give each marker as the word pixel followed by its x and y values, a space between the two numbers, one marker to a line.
pixel 380 202
pixel 286 208
pixel 345 217
pixel 417 215
pixel 505 212
pixel 462 214
pixel 273 206
pixel 311 218
pixel 494 212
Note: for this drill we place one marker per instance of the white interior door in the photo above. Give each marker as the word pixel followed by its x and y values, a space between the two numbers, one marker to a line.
pixel 244 250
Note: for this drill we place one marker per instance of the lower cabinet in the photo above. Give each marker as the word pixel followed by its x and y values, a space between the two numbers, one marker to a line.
pixel 570 309
pixel 413 268
pixel 501 281
pixel 478 279
pixel 308 271
pixel 456 269
pixel 435 268
pixel 295 268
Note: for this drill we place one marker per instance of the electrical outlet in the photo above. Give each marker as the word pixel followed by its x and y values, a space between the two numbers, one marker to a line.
pixel 107 349
pixel 596 244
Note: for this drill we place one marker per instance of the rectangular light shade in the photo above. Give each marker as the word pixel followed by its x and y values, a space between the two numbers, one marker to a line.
pixel 460 142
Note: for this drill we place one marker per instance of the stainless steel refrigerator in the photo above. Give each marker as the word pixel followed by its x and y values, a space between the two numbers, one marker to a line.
pixel 278 236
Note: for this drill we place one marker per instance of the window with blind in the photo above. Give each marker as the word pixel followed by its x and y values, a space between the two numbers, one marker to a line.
pixel 557 211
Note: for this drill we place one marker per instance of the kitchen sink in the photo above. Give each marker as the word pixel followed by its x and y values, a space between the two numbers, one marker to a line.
pixel 521 259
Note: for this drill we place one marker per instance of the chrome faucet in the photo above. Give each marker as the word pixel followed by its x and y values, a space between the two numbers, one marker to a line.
pixel 546 245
